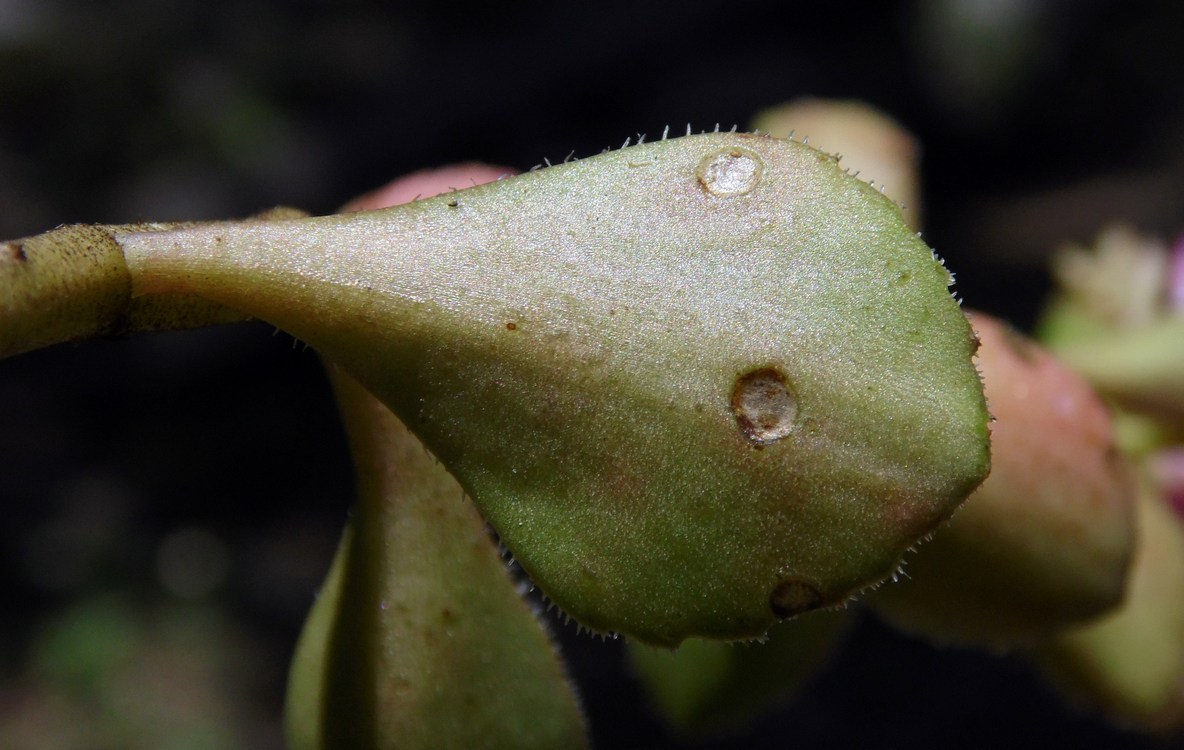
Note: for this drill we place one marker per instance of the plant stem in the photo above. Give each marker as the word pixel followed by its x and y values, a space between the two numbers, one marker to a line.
pixel 73 283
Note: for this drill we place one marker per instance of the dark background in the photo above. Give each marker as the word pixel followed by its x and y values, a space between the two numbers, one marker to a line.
pixel 128 463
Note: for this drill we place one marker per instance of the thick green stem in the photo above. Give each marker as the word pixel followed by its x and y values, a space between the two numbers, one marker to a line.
pixel 73 283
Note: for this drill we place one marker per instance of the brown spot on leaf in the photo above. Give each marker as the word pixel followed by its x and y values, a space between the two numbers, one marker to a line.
pixel 793 597
pixel 765 407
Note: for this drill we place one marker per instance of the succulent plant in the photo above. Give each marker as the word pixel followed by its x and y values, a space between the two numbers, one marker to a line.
pixel 717 355
pixel 696 386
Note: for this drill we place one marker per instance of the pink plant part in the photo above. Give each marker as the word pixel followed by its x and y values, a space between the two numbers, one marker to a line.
pixel 1167 467
pixel 1176 276
pixel 428 183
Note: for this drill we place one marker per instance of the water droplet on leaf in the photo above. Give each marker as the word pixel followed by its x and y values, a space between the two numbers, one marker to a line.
pixel 733 171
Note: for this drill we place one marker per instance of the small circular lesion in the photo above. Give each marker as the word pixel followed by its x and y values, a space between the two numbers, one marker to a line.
pixel 730 171
pixel 764 405
pixel 793 597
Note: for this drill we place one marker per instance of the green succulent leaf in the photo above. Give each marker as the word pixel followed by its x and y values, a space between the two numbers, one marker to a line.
pixel 697 385
pixel 419 638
